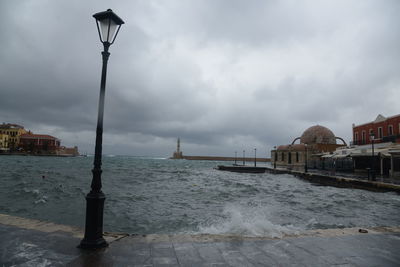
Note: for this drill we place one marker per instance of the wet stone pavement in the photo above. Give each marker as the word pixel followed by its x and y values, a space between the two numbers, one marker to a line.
pixel 34 243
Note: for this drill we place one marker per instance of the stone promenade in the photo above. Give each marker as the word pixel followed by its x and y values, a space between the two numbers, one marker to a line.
pixel 27 242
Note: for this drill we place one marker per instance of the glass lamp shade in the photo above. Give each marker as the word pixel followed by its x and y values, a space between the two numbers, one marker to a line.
pixel 107 30
pixel 108 24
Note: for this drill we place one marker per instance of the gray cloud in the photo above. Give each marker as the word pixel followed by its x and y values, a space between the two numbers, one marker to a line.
pixel 222 75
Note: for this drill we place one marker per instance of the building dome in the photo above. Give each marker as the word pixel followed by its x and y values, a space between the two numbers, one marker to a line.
pixel 318 135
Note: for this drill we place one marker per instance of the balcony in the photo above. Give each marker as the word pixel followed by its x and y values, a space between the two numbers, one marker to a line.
pixel 358 142
pixel 390 138
pixel 385 139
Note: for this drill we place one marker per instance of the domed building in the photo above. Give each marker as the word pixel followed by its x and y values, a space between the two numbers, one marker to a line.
pixel 318 135
pixel 313 142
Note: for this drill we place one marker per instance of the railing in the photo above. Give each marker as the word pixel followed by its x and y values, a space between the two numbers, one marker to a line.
pixel 385 139
pixel 358 142
pixel 390 138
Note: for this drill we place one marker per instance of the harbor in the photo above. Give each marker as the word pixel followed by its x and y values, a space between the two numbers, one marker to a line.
pixel 286 110
pixel 162 196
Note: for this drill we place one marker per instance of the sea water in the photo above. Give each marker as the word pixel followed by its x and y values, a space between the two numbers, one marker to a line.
pixel 155 195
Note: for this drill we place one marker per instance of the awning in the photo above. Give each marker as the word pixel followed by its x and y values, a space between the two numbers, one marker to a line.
pixel 339 156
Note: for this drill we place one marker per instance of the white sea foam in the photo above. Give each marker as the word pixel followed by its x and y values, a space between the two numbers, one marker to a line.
pixel 35 191
pixel 42 200
pixel 247 221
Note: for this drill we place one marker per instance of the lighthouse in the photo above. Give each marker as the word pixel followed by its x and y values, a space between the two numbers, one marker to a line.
pixel 178 153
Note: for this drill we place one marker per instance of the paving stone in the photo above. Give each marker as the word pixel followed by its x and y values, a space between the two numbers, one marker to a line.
pixel 209 253
pixel 276 250
pixel 187 254
pixel 28 247
pixel 231 253
pixel 256 256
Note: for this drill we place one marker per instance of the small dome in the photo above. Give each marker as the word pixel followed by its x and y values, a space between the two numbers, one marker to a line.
pixel 318 135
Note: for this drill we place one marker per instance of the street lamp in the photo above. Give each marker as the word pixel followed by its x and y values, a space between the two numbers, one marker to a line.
pixel 108 25
pixel 235 157
pixel 243 158
pixel 275 157
pixel 305 163
pixel 255 157
pixel 372 137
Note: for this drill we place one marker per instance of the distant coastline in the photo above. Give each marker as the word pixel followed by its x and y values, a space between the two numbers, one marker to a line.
pixel 178 154
pixel 39 155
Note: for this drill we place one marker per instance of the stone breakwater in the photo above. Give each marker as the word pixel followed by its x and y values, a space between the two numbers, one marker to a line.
pixel 213 158
pixel 337 181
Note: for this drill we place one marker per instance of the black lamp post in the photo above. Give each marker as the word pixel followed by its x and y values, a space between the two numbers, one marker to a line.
pixel 255 157
pixel 108 25
pixel 305 163
pixel 275 157
pixel 372 137
pixel 243 158
pixel 235 157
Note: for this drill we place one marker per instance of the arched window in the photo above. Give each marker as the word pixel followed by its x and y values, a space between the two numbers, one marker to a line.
pixel 297 156
pixel 282 156
pixel 390 130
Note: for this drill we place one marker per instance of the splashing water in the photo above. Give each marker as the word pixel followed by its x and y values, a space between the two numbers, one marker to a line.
pixel 149 195
pixel 238 220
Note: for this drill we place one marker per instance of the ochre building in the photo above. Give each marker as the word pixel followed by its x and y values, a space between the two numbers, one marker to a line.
pixel 4 143
pixel 14 131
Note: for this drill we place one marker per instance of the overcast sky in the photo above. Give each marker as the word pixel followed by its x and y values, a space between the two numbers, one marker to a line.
pixel 222 75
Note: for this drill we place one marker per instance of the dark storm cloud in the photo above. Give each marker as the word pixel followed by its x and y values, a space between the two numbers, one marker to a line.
pixel 222 75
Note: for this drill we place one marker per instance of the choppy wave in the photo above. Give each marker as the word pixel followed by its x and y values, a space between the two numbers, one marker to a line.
pixel 147 195
pixel 238 220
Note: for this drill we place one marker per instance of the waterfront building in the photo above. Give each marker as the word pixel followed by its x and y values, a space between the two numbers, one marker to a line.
pixel 314 141
pixel 14 131
pixel 384 134
pixel 68 151
pixel 358 159
pixel 4 143
pixel 39 143
pixel 385 129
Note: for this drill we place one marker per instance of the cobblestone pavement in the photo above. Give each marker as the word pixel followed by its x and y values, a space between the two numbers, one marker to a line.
pixel 32 243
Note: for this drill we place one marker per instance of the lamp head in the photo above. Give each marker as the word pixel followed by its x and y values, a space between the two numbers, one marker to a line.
pixel 108 25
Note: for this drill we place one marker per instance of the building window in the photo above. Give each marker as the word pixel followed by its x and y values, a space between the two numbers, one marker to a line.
pixel 297 156
pixel 276 156
pixel 356 137
pixel 390 130
pixel 380 132
pixel 282 156
pixel 363 137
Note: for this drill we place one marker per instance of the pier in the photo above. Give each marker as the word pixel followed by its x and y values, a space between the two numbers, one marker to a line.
pixel 339 181
pixel 35 243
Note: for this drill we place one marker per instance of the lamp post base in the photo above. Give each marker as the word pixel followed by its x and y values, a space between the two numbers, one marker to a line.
pixel 93 244
pixel 94 222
